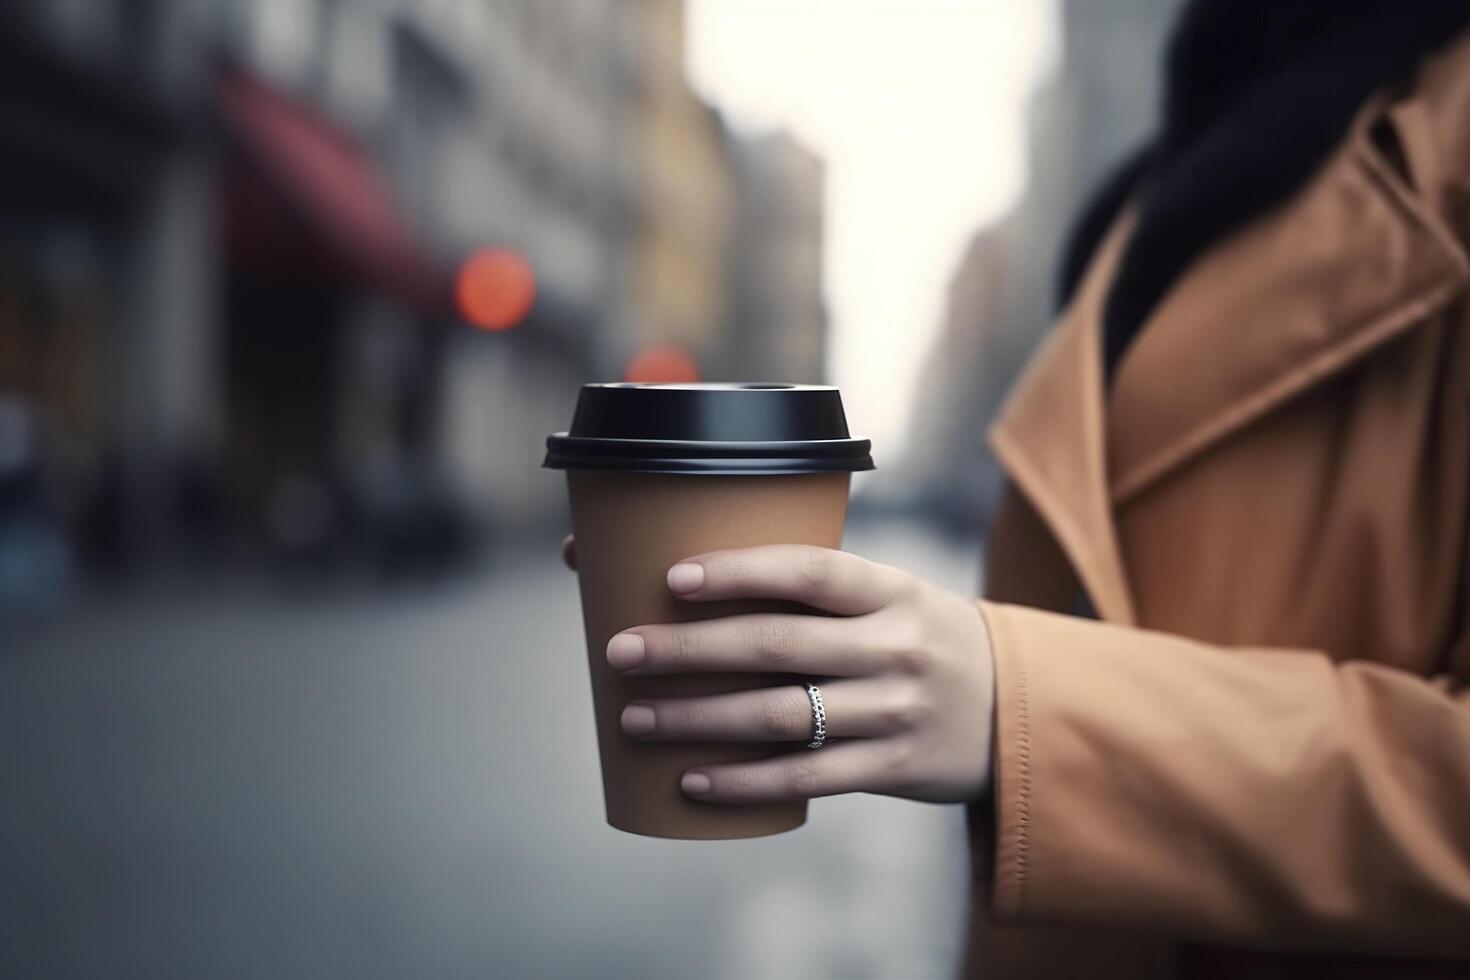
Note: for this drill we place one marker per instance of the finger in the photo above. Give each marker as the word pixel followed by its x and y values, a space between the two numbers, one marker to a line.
pixel 569 552
pixel 783 643
pixel 861 765
pixel 864 708
pixel 820 577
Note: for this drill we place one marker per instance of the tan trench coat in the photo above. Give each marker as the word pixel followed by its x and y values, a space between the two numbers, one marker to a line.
pixel 1265 746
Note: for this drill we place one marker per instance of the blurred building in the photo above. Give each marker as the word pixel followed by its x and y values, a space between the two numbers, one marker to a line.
pixel 728 265
pixel 108 314
pixel 681 258
pixel 1102 100
pixel 778 318
pixel 499 124
pixel 945 446
pixel 230 239
pixel 541 157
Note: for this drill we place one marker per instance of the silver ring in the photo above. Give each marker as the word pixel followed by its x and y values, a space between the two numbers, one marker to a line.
pixel 819 716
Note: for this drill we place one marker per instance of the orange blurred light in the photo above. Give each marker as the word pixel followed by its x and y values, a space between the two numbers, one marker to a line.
pixel 662 363
pixel 495 288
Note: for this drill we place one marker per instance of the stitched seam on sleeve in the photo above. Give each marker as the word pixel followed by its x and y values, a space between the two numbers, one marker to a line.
pixel 1023 789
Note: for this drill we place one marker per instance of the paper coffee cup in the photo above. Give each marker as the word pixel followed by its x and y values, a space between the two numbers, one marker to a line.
pixel 662 472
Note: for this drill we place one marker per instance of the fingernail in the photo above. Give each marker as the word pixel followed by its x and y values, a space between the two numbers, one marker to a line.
pixel 638 719
pixel 695 783
pixel 685 577
pixel 625 651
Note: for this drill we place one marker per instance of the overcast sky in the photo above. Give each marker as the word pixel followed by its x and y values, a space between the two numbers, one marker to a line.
pixel 918 107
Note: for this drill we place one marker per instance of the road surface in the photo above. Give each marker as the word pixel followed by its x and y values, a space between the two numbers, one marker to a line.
pixel 246 783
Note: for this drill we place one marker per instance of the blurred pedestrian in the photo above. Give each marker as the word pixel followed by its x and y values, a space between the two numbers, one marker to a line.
pixel 35 561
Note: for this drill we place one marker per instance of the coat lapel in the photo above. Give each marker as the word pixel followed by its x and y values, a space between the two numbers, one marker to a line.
pixel 1352 261
pixel 1049 438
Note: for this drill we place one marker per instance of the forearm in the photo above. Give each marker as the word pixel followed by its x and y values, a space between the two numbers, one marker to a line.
pixel 1258 796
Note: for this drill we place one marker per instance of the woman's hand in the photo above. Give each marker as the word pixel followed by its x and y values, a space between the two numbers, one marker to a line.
pixel 904 669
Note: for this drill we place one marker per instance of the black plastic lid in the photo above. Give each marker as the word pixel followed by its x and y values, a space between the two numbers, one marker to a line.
pixel 732 429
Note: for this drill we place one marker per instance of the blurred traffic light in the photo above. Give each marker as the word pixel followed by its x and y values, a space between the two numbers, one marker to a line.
pixel 495 289
pixel 663 362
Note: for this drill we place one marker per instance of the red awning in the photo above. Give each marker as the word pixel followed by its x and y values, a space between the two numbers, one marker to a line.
pixel 337 192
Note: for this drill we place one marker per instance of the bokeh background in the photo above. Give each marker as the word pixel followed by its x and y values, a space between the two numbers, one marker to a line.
pixel 292 683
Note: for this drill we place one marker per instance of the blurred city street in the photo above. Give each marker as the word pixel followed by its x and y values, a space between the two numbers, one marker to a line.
pixel 233 782
pixel 292 292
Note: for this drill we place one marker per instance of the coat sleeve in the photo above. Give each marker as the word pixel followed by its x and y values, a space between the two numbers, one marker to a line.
pixel 1261 797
